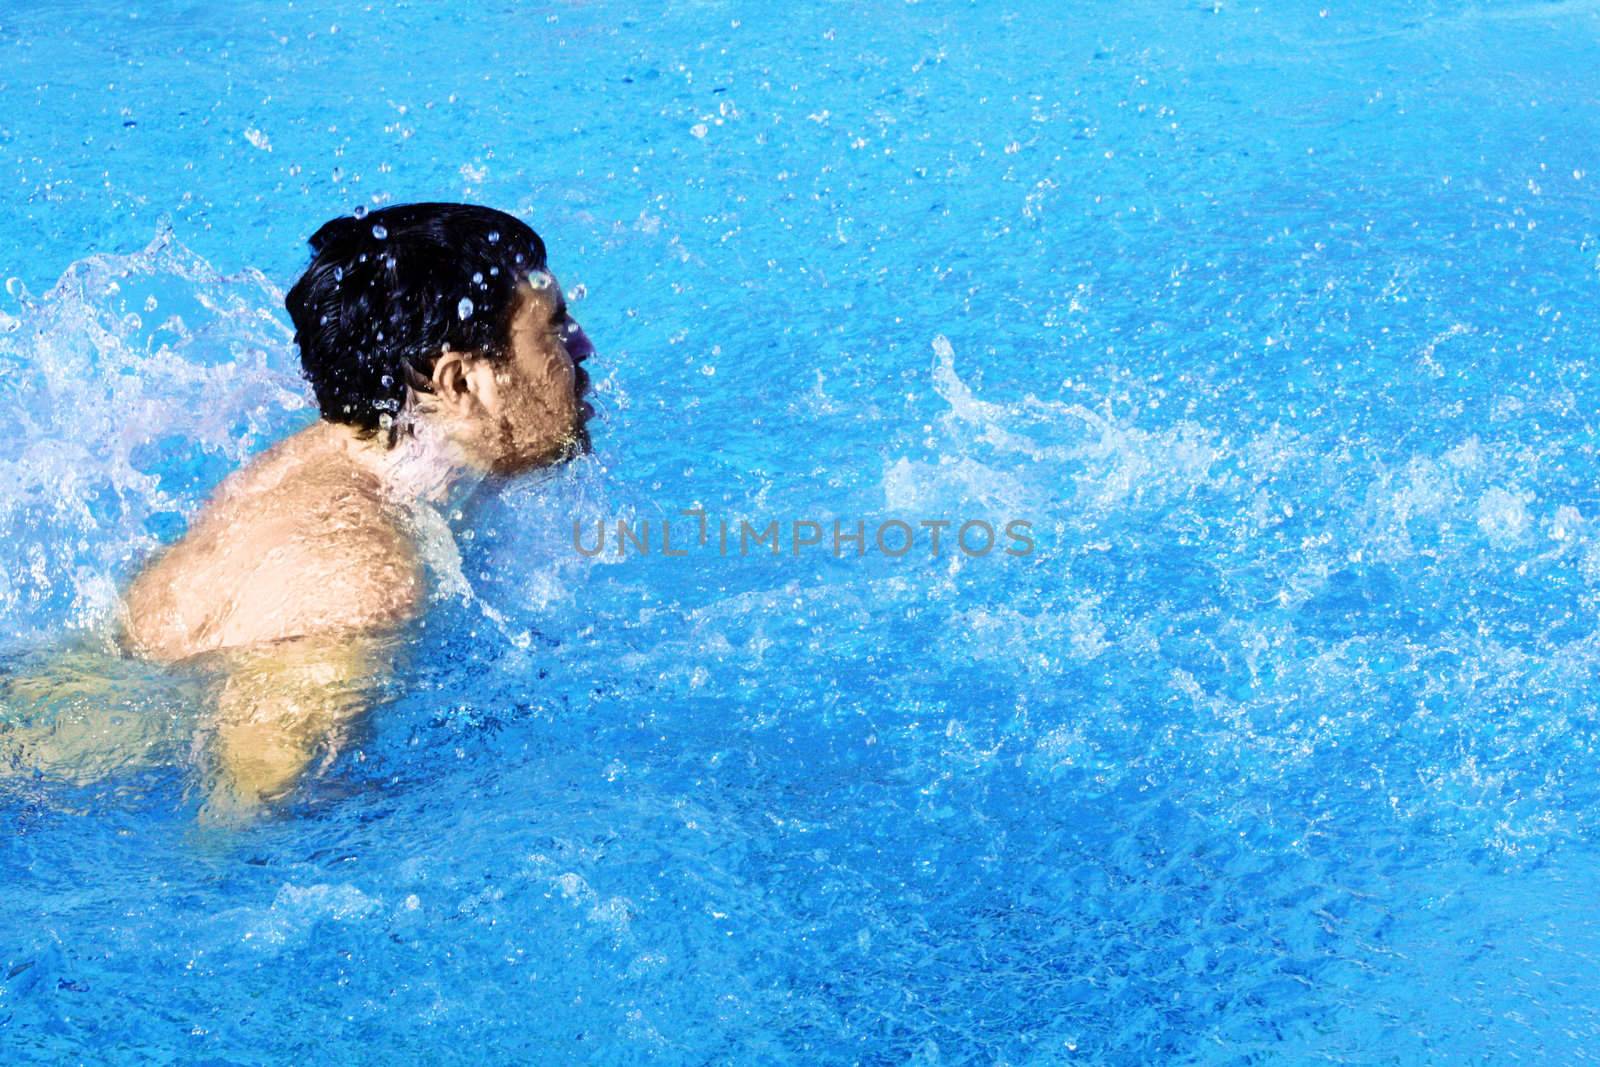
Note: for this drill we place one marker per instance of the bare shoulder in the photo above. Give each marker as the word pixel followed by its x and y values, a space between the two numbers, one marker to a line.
pixel 333 555
pixel 286 548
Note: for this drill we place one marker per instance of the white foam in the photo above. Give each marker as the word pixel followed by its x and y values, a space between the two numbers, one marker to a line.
pixel 111 403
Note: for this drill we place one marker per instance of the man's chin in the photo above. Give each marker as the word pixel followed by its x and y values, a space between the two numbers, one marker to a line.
pixel 571 448
pixel 579 444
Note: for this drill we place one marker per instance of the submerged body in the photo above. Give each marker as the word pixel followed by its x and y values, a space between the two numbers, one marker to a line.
pixel 290 571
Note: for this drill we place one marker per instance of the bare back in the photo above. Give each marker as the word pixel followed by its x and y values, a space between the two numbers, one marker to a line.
pixel 301 543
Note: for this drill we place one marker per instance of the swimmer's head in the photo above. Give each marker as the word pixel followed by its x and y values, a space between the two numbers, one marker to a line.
pixel 444 312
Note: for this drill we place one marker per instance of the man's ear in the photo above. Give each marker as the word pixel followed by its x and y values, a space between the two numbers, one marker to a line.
pixel 450 382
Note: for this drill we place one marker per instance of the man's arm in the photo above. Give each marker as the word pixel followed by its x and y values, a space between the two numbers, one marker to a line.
pixel 280 704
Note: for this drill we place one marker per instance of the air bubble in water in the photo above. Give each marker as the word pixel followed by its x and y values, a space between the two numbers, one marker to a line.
pixel 477 277
pixel 338 274
pixel 379 232
pixel 387 381
pixel 464 309
pixel 361 211
pixel 494 236
pixel 539 280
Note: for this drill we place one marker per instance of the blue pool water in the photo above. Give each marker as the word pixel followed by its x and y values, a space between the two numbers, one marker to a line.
pixel 1276 321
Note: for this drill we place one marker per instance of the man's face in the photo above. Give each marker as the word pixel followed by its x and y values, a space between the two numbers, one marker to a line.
pixel 538 412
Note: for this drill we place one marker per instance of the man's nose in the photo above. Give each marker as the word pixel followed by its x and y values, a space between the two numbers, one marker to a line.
pixel 578 345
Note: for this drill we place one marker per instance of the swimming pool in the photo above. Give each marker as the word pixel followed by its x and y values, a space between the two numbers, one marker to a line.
pixel 1277 323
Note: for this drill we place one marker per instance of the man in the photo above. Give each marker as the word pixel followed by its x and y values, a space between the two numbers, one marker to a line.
pixel 440 350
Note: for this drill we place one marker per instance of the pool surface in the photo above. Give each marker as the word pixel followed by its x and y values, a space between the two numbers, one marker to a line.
pixel 1277 322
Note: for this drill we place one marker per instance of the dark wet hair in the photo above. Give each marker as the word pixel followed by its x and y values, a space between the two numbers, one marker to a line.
pixel 386 292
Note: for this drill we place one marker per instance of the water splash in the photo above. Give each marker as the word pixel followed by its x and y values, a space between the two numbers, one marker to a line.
pixel 134 385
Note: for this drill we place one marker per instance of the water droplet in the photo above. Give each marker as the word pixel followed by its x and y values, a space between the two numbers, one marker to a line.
pixel 379 232
pixel 361 211
pixel 539 280
pixel 387 381
pixel 464 309
pixel 477 277
pixel 494 272
pixel 494 236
